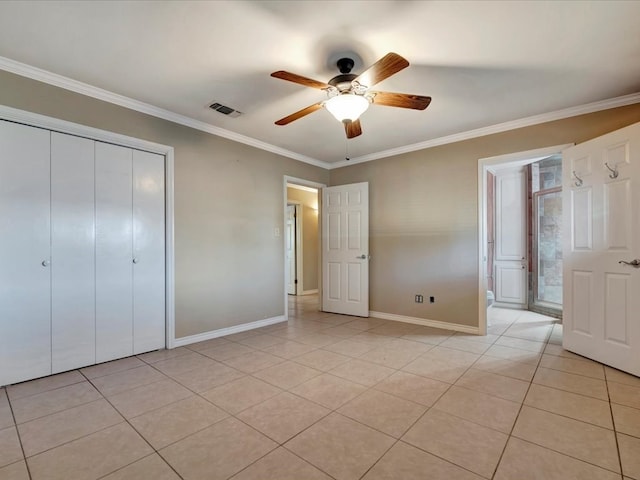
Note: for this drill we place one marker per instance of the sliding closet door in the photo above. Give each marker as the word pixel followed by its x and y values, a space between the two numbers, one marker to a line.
pixel 72 252
pixel 148 252
pixel 25 270
pixel 114 252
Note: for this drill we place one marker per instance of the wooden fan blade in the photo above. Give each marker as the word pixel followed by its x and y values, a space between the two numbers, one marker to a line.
pixel 353 129
pixel 402 100
pixel 299 79
pixel 299 114
pixel 388 65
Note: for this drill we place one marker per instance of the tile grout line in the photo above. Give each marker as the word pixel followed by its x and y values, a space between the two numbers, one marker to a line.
pixel 417 420
pixel 45 391
pixel 613 421
pixel 399 439
pixel 15 425
pixel 546 447
pixel 331 411
pixel 422 416
pixel 515 421
pixel 126 420
pixel 425 413
pixel 571 418
pixel 568 456
pixel 279 445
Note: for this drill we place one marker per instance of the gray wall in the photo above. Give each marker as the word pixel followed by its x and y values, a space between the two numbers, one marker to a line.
pixel 424 215
pixel 228 200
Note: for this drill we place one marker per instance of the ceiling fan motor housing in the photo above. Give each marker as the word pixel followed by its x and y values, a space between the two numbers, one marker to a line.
pixel 343 82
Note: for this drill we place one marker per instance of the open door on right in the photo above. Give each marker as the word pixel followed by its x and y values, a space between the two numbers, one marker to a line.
pixel 345 249
pixel 601 272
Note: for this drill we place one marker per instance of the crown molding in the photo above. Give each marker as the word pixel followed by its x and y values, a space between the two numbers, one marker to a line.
pixel 54 79
pixel 50 78
pixel 497 128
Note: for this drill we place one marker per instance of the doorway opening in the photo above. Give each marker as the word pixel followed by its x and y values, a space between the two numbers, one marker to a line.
pixel 293 246
pixel 301 238
pixel 520 253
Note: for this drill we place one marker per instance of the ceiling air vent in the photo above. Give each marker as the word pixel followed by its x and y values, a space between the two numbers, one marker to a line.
pixel 218 107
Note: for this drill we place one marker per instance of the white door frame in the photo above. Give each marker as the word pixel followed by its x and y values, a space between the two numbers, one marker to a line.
pixel 62 126
pixel 485 165
pixel 307 183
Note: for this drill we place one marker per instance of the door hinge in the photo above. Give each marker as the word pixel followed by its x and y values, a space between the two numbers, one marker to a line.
pixel 295 281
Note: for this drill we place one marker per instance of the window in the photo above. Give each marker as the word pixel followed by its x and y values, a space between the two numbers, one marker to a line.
pixel 547 241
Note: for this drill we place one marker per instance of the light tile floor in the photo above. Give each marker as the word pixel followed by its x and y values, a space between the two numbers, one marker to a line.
pixel 328 396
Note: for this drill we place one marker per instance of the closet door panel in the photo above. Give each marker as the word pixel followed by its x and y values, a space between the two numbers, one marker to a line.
pixel 114 252
pixel 72 252
pixel 25 273
pixel 149 252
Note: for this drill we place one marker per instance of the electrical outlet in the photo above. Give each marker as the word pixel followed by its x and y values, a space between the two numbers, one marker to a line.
pixel 432 299
pixel 419 299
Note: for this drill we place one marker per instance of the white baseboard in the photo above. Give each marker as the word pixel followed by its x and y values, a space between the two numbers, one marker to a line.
pixel 310 292
pixel 426 322
pixel 201 337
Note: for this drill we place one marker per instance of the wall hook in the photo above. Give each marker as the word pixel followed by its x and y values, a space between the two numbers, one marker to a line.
pixel 614 171
pixel 578 182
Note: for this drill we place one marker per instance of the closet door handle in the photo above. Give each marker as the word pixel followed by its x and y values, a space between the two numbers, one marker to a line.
pixel 45 263
pixel 135 260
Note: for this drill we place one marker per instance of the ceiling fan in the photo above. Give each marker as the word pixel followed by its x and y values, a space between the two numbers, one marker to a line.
pixel 349 95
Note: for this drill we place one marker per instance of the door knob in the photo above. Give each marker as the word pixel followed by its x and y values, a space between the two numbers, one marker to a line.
pixel 634 263
pixel 363 257
pixel 45 263
pixel 135 260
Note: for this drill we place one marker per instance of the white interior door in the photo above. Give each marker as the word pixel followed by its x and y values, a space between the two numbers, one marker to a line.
pixel 345 246
pixel 72 252
pixel 511 259
pixel 291 249
pixel 25 273
pixel 601 229
pixel 148 252
pixel 114 252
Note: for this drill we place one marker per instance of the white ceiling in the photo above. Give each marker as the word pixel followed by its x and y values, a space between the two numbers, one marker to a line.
pixel 483 62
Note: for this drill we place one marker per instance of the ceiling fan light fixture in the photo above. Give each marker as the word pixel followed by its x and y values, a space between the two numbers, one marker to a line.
pixel 347 107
